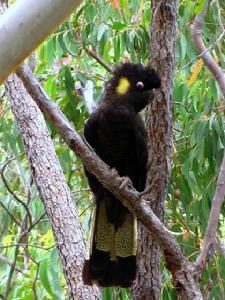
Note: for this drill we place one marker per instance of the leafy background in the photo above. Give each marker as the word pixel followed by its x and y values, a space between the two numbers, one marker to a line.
pixel 117 31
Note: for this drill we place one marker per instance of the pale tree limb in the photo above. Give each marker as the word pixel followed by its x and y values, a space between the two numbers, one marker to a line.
pixel 218 199
pixel 177 263
pixel 25 25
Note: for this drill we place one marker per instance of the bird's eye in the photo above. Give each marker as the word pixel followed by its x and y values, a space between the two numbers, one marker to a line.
pixel 140 85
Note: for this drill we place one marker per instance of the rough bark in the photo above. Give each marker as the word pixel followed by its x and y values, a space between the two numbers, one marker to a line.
pixel 52 188
pixel 159 127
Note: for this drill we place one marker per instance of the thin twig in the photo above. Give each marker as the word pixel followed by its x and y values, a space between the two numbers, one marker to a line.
pixel 33 225
pixel 16 253
pixel 5 260
pixel 92 53
pixel 81 191
pixel 201 54
pixel 10 214
pixel 215 69
pixel 29 245
pixel 2 96
pixel 210 234
pixel 181 104
pixel 87 208
pixel 12 192
pixel 219 16
pixel 35 281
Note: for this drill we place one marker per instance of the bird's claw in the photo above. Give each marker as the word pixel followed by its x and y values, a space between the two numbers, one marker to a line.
pixel 125 181
pixel 114 172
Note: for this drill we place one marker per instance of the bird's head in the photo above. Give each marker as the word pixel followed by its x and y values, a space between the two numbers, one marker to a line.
pixel 131 85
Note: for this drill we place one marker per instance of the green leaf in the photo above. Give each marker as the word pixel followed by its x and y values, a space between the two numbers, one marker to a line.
pixel 116 46
pixel 118 26
pixel 183 43
pixel 199 6
pixel 102 29
pixel 51 52
pixel 102 44
pixel 64 43
pixel 69 82
pixel 43 272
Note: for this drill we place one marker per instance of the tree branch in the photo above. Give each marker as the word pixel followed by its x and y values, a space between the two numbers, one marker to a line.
pixel 21 32
pixel 28 245
pixel 5 260
pixel 215 69
pixel 9 213
pixel 16 253
pixel 34 224
pixel 219 195
pixel 214 44
pixel 94 55
pixel 35 281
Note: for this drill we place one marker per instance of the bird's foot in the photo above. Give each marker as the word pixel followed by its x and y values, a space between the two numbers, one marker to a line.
pixel 115 172
pixel 125 181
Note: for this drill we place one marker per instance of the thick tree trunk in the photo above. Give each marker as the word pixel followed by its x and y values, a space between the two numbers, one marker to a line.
pixel 52 188
pixel 159 127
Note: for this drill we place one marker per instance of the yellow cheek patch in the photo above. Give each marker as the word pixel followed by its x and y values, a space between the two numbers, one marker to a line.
pixel 123 86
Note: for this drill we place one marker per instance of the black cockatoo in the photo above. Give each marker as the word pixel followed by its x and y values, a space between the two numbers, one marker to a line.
pixel 117 133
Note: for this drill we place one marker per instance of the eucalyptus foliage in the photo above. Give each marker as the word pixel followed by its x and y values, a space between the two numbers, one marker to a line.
pixel 116 32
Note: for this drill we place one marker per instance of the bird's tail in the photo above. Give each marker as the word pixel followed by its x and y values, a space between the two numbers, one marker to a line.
pixel 112 259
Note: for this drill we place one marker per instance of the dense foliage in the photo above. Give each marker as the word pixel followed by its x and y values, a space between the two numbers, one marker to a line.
pixel 117 31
